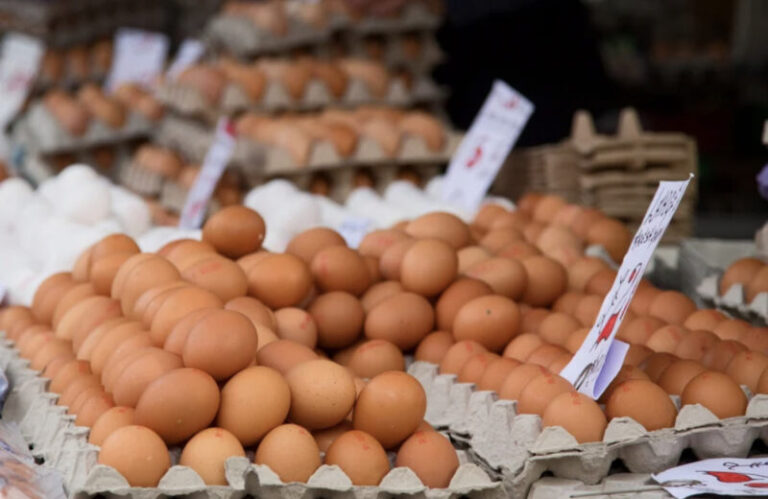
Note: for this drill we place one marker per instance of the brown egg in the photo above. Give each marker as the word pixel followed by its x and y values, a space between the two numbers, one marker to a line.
pixel 495 374
pixel 625 373
pixel 310 242
pixel 390 408
pixel 403 319
pixel 66 374
pixel 637 331
pixel 220 276
pixel 566 216
pixel 376 243
pixel 601 282
pixel 554 238
pixel 746 367
pixel 140 372
pixel 235 231
pixel 137 453
pixel 757 285
pixel 280 280
pixel 527 203
pixel 491 320
pixel 114 243
pixel 54 366
pixel 557 365
pixel 696 344
pixel 178 304
pixel 49 349
pixel 547 208
pixel 221 355
pixel 672 307
pixel 580 273
pixel 207 452
pixel 498 240
pixel 666 339
pixel 339 319
pixel 243 411
pixel 518 250
pixel 322 393
pixel 547 280
pixel 373 269
pixel 678 374
pixel 470 256
pixel 655 365
pixel 391 260
pixel 360 456
pixel 103 271
pixel 374 357
pixel 718 357
pixel 518 378
pixel 96 335
pixel 557 327
pixel 636 355
pixel 86 315
pixel 522 346
pixel 326 437
pixel 475 367
pixel 117 363
pixel 252 308
pixel 178 404
pixel 248 261
pixel 434 347
pixel 149 302
pixel 184 252
pixel 706 319
pixel 532 318
pixel 145 274
pixel 283 355
pixel 741 272
pixel 458 355
pixel 32 339
pixel 644 296
pixel 431 456
pixel 645 402
pixel 90 411
pixel 731 329
pixel 47 295
pixel 440 225
pixel 297 325
pixel 487 213
pixel 539 392
pixel 578 414
pixel 338 268
pixel 13 315
pixel 177 338
pixel 78 384
pixel 717 392
pixel 428 267
pixel 125 269
pixel 82 265
pixel 379 292
pixel 291 452
pixel 756 339
pixel 505 276
pixel 112 344
pixel 454 297
pixel 108 422
pixel 611 235
pixel 567 303
pixel 575 340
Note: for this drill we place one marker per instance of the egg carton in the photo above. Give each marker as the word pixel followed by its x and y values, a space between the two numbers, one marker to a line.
pixel 618 486
pixel 394 55
pixel 734 301
pixel 188 102
pixel 64 446
pixel 41 132
pixel 244 39
pixel 516 445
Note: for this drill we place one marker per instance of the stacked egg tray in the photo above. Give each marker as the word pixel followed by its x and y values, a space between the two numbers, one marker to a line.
pixel 618 486
pixel 242 38
pixel 64 446
pixel 187 101
pixel 519 450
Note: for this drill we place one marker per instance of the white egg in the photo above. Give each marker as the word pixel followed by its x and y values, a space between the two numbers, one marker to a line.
pixel 88 203
pixel 131 210
pixel 156 237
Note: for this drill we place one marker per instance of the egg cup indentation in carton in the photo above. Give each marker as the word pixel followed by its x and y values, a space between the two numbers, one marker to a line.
pixel 635 485
pixel 734 300
pixel 509 442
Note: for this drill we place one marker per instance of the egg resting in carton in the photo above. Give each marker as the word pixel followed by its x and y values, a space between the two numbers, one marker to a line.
pixel 520 450
pixel 734 300
pixel 65 446
pixel 210 91
pixel 248 30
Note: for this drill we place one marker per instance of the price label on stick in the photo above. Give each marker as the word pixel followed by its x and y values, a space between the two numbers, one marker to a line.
pixel 486 145
pixel 722 476
pixel 18 67
pixel 213 166
pixel 139 57
pixel 189 53
pixel 600 357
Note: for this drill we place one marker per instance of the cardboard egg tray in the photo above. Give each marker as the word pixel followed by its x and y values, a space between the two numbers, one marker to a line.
pixel 244 39
pixel 393 53
pixel 618 486
pixel 64 446
pixel 188 102
pixel 520 450
pixel 41 132
pixel 734 300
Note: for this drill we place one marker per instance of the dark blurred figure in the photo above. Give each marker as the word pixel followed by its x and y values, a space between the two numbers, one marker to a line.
pixel 545 49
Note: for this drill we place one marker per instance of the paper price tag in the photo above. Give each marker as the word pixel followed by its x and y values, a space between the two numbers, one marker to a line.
pixel 354 229
pixel 189 53
pixel 486 145
pixel 722 476
pixel 139 57
pixel 597 362
pixel 19 64
pixel 213 166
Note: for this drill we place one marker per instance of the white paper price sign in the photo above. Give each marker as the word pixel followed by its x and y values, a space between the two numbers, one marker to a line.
pixel 722 476
pixel 189 53
pixel 139 57
pixel 213 166
pixel 354 229
pixel 486 145
pixel 18 67
pixel 599 359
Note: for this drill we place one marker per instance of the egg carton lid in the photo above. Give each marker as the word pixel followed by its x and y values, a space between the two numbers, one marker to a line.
pixel 519 448
pixel 734 301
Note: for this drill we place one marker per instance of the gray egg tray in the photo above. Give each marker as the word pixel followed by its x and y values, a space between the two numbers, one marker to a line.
pixel 65 447
pixel 618 486
pixel 734 301
pixel 520 450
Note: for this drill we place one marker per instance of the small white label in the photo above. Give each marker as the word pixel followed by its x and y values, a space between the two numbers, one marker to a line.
pixel 354 229
pixel 594 365
pixel 189 53
pixel 722 476
pixel 18 68
pixel 486 145
pixel 139 57
pixel 213 166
